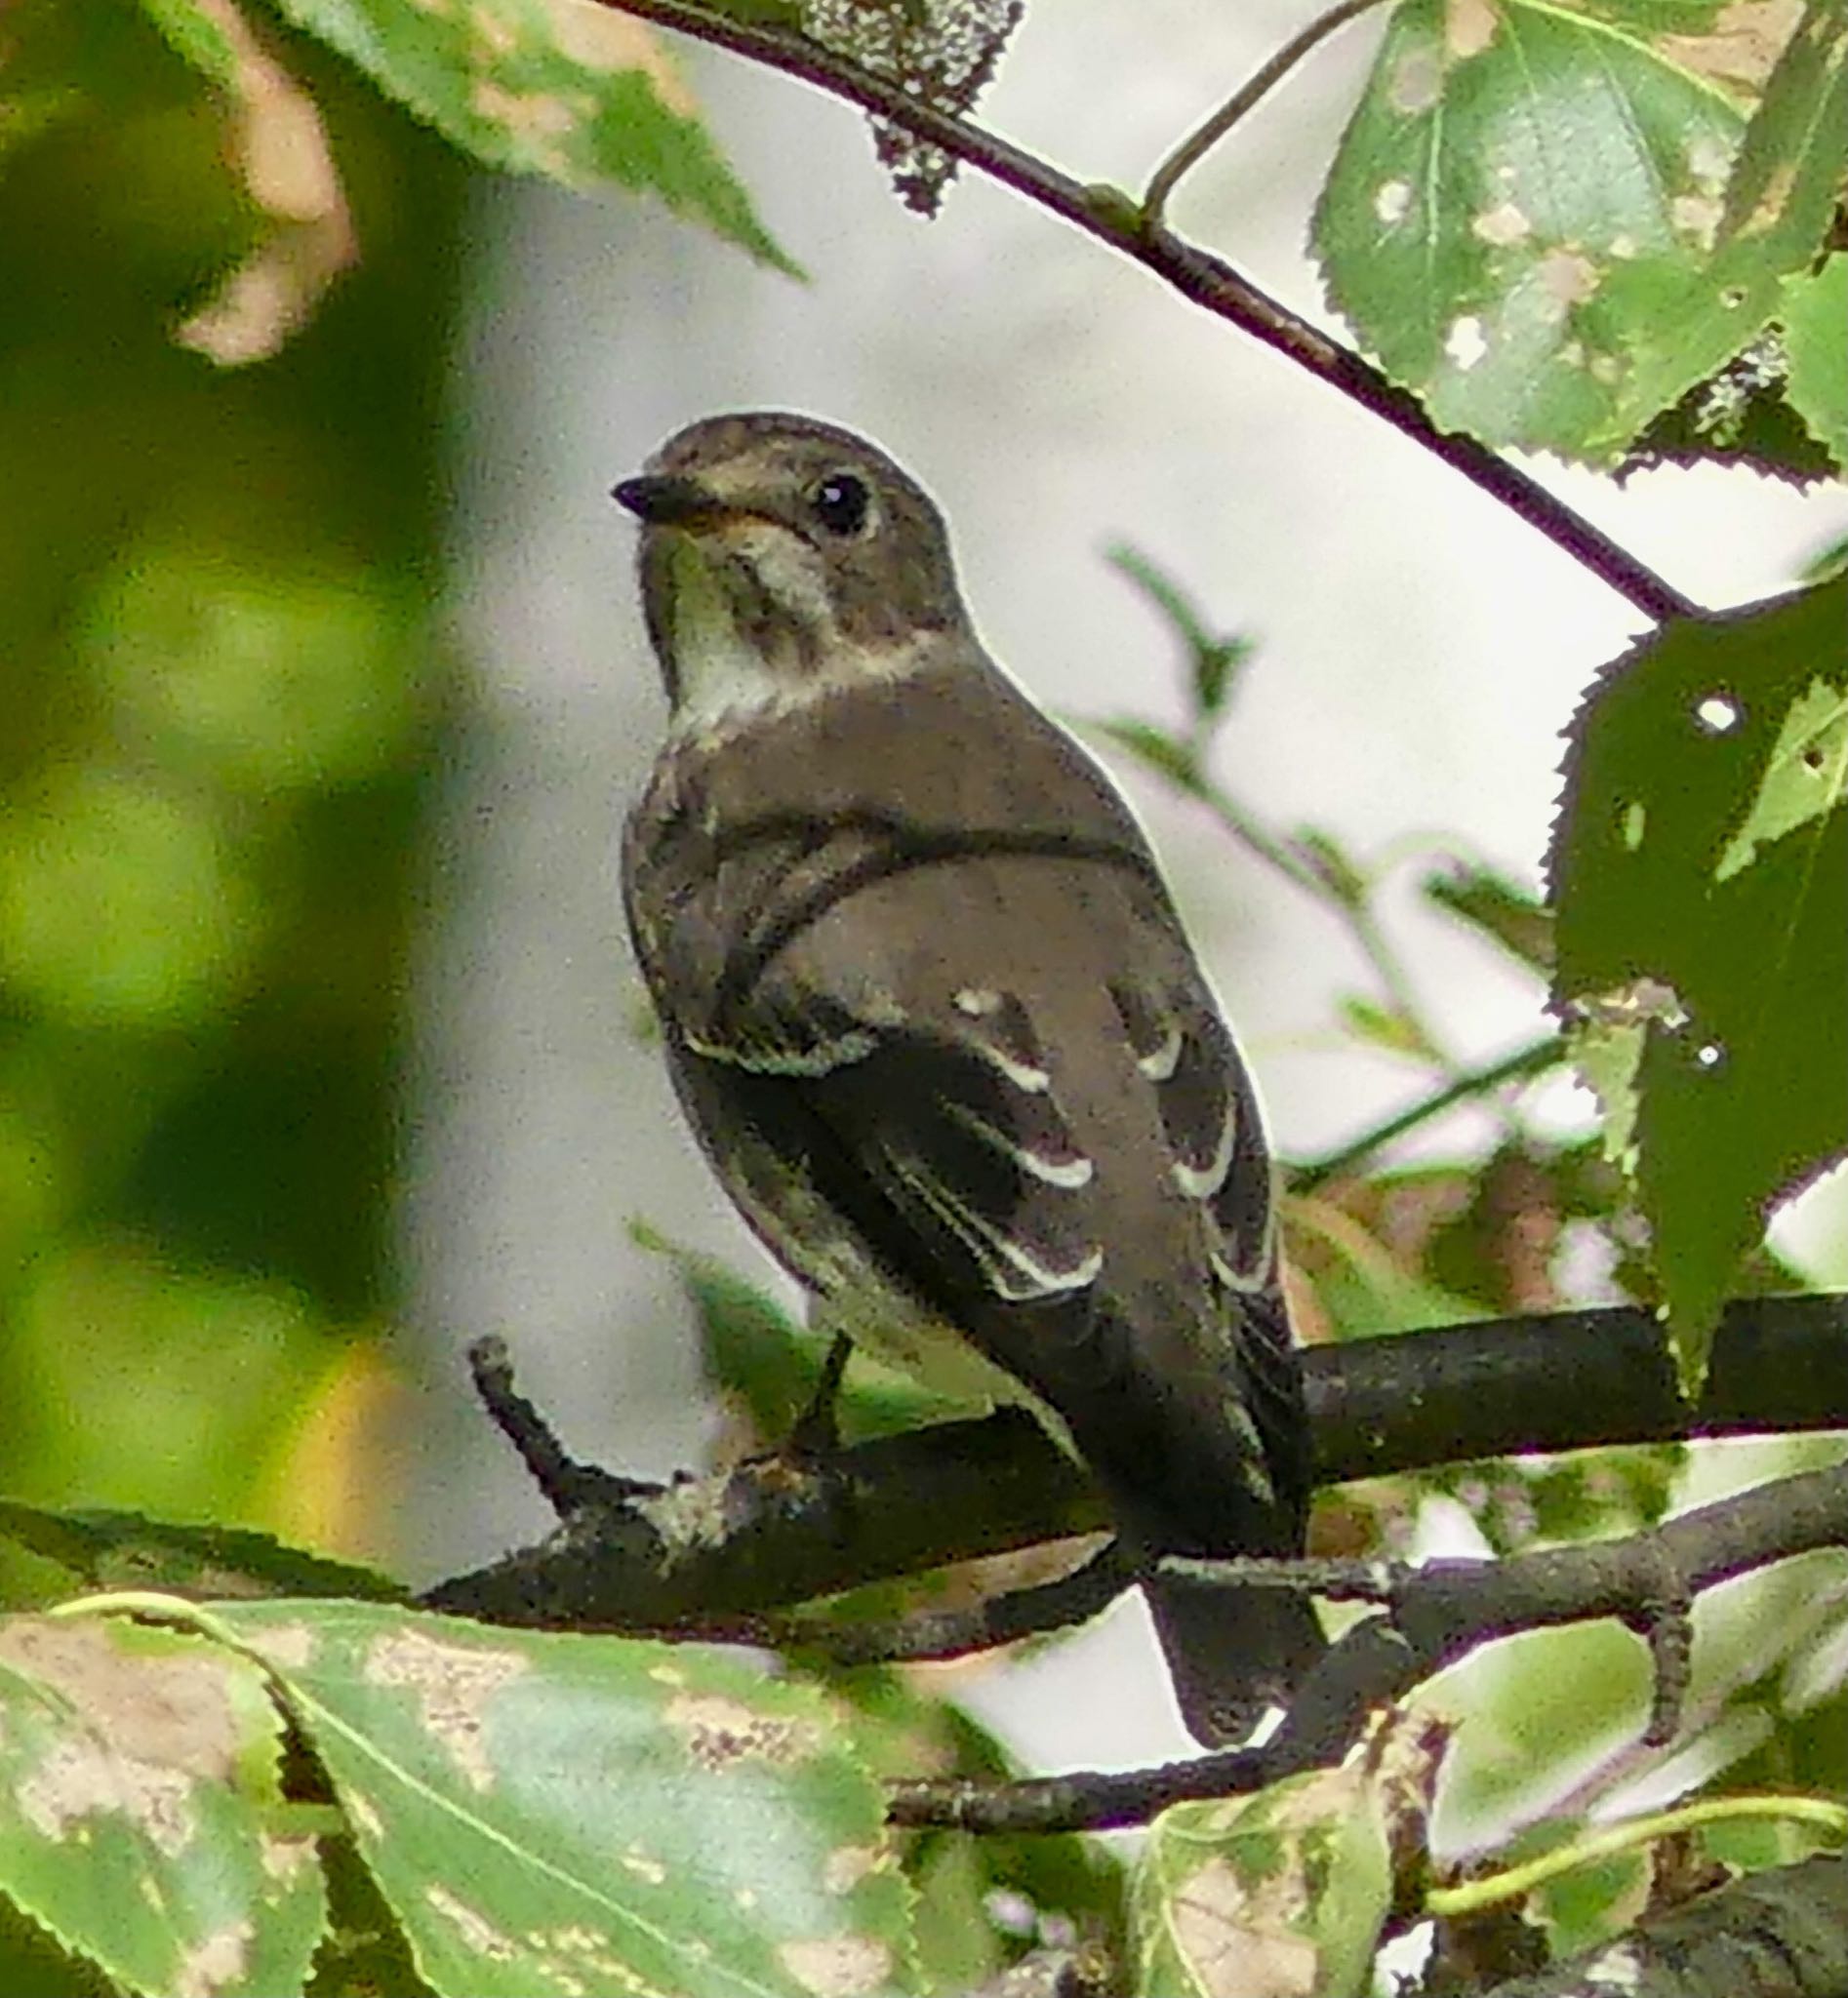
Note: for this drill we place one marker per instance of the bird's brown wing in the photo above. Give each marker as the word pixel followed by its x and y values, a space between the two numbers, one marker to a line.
pixel 962 1069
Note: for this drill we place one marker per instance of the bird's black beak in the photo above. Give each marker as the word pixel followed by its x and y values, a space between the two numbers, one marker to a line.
pixel 663 500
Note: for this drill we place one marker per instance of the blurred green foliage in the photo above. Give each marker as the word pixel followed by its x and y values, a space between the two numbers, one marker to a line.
pixel 220 701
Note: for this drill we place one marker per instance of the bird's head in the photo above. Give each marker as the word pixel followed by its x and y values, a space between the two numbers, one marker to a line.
pixel 782 556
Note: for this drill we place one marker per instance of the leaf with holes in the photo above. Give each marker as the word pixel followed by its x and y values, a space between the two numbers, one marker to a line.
pixel 1780 199
pixel 140 1800
pixel 592 1814
pixel 574 92
pixel 1290 1889
pixel 1535 219
pixel 1700 869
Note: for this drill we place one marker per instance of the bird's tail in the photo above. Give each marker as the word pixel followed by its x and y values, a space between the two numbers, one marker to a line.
pixel 1232 1651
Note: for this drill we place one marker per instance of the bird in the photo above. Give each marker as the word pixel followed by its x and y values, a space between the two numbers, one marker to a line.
pixel 932 1015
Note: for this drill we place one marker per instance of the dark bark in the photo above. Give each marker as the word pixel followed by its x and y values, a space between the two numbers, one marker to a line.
pixel 776 1532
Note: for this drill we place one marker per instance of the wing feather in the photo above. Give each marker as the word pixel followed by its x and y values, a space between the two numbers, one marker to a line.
pixel 881 1057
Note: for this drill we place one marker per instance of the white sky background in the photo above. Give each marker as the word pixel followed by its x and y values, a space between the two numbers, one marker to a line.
pixel 1421 651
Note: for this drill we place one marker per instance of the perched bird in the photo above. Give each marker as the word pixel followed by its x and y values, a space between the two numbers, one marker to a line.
pixel 932 1015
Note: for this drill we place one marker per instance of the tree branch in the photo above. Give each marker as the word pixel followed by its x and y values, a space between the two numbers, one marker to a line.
pixel 773 1532
pixel 689 1557
pixel 777 1531
pixel 1205 280
pixel 1439 1612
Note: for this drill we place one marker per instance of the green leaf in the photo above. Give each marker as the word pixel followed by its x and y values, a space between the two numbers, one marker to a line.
pixel 1367 1288
pixel 198 37
pixel 1815 309
pixel 588 1815
pixel 1168 756
pixel 1779 197
pixel 33 1964
pixel 126 1550
pixel 1383 1027
pixel 1788 177
pixel 766 12
pixel 754 1350
pixel 1213 657
pixel 1542 1707
pixel 57 70
pixel 1519 185
pixel 558 87
pixel 1590 1903
pixel 1805 778
pixel 980 1902
pixel 1285 1891
pixel 1701 874
pixel 1587 1495
pixel 1741 415
pixel 1501 909
pixel 139 1800
pixel 1827 561
pixel 1339 871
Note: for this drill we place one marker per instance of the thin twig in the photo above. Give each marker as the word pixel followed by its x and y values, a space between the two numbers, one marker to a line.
pixel 568 1485
pixel 1274 850
pixel 1111 217
pixel 1440 1613
pixel 1394 979
pixel 1193 148
pixel 927 1634
pixel 1531 1060
pixel 1189 777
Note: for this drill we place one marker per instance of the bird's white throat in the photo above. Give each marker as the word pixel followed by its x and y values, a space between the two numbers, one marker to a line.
pixel 724 679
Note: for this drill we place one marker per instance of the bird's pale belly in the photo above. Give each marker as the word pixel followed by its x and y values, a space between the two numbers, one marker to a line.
pixel 889 1327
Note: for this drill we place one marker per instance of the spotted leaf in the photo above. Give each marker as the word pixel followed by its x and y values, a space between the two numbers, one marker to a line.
pixel 1701 874
pixel 1551 223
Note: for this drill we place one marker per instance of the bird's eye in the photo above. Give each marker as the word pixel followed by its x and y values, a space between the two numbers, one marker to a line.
pixel 842 504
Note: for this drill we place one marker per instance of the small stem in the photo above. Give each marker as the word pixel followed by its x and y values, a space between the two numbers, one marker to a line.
pixel 1395 978
pixel 1193 148
pixel 566 1485
pixel 1517 1882
pixel 1531 1060
pixel 1248 832
pixel 1258 839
